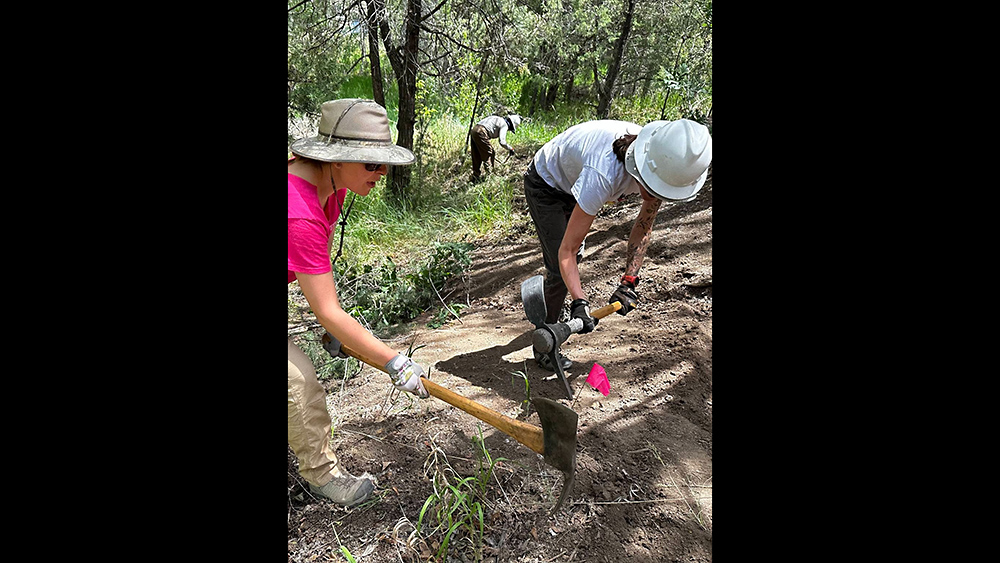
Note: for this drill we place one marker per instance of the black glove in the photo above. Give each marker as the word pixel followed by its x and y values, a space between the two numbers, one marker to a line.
pixel 580 309
pixel 625 294
pixel 332 345
pixel 511 152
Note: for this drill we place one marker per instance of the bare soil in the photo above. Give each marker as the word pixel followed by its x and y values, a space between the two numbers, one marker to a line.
pixel 643 488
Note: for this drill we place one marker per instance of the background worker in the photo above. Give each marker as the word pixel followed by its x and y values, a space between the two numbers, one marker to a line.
pixel 493 127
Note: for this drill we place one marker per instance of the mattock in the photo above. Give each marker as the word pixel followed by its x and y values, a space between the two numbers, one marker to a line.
pixel 548 336
pixel 555 440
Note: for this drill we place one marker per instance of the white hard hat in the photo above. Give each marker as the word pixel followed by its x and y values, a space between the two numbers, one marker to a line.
pixel 670 158
pixel 515 120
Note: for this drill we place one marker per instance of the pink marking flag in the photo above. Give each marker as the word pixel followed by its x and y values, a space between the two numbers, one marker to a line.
pixel 598 379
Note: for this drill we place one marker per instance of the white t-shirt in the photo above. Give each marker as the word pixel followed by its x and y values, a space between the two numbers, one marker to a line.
pixel 580 162
pixel 496 128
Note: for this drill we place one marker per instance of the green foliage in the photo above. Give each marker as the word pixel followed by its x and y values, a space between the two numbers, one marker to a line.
pixel 445 315
pixel 327 367
pixel 384 295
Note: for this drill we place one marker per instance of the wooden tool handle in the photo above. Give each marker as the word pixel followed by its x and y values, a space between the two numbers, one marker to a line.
pixel 527 434
pixel 606 310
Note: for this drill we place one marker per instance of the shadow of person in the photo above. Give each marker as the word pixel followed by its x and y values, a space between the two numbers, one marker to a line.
pixel 508 370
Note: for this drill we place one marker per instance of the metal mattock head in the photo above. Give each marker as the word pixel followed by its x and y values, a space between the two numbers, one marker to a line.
pixel 533 299
pixel 559 424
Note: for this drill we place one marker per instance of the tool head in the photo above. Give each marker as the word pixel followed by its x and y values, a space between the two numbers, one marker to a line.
pixel 549 336
pixel 559 424
pixel 533 299
pixel 545 341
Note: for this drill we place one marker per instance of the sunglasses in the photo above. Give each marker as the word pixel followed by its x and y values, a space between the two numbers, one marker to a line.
pixel 373 167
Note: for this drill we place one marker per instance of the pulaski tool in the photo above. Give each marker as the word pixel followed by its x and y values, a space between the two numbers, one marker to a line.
pixel 555 440
pixel 547 337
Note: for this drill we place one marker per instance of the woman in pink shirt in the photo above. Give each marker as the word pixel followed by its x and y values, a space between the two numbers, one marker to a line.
pixel 352 151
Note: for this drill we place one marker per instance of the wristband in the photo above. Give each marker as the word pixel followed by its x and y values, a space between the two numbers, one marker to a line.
pixel 631 280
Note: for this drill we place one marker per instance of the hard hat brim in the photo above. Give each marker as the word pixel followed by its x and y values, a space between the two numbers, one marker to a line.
pixel 635 164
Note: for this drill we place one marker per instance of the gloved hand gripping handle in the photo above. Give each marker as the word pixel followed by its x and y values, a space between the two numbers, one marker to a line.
pixel 544 340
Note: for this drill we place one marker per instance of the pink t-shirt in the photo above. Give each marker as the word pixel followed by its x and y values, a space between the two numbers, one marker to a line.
pixel 310 228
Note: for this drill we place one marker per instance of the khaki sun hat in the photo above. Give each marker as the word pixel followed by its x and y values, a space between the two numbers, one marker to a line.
pixel 353 130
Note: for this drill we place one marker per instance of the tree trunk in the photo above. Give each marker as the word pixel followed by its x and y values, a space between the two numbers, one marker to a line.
pixel 550 95
pixel 371 25
pixel 605 91
pixel 404 65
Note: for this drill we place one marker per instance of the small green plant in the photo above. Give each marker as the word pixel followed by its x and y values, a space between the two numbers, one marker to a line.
pixel 516 381
pixel 456 508
pixel 486 461
pixel 343 550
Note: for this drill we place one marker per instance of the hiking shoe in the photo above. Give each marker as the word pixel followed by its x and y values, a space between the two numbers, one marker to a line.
pixel 346 490
pixel 545 362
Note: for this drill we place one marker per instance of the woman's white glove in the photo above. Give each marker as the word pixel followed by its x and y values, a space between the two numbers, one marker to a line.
pixel 406 375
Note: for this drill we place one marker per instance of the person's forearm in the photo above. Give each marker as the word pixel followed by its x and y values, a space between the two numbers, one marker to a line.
pixel 570 273
pixel 576 230
pixel 638 240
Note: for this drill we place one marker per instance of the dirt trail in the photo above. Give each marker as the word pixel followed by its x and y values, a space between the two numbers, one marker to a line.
pixel 643 487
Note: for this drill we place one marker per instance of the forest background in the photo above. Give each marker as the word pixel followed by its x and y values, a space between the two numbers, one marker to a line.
pixel 440 67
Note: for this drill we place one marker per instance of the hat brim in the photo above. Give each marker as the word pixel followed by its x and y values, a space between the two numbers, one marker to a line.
pixel 635 164
pixel 318 148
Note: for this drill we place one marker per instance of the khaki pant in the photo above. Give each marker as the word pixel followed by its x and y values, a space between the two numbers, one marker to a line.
pixel 308 421
pixel 482 150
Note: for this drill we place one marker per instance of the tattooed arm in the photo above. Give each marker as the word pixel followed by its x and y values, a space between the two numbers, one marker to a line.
pixel 638 240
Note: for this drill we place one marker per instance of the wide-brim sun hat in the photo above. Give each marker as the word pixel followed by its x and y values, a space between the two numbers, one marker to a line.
pixel 670 158
pixel 353 130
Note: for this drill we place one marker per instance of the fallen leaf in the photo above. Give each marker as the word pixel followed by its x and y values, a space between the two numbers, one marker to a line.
pixel 534 533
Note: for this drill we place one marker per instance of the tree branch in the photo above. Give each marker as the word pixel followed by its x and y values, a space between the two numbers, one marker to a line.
pixel 430 13
pixel 449 38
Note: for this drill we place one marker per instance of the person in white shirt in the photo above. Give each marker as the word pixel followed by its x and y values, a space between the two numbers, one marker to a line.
pixel 493 127
pixel 573 175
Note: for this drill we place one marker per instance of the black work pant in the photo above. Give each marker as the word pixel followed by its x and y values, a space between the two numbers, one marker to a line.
pixel 550 210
